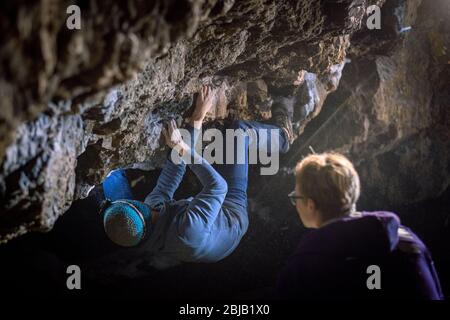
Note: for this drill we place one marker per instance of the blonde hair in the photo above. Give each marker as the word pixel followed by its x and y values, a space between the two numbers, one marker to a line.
pixel 331 181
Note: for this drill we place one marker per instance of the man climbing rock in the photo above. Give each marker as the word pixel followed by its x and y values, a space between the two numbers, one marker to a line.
pixel 205 228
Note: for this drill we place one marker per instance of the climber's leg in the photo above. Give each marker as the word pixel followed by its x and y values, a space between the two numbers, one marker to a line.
pixel 236 173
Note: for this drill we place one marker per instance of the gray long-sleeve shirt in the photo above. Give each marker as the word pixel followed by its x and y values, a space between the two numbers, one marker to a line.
pixel 198 229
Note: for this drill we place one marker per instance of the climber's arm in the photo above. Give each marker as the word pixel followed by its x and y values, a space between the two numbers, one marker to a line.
pixel 171 175
pixel 168 182
pixel 204 208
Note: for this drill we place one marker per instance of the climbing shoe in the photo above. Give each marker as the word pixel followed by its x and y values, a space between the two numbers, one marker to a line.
pixel 282 115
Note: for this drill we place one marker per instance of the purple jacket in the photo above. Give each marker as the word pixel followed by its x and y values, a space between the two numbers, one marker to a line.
pixel 332 262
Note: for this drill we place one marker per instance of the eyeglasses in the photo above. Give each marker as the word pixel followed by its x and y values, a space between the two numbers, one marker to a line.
pixel 293 197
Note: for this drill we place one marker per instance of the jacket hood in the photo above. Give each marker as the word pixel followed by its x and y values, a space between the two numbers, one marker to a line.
pixel 361 234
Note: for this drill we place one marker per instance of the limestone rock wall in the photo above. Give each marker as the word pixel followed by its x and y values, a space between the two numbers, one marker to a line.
pixel 77 104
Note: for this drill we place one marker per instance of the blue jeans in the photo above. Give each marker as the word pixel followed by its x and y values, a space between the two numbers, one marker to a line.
pixel 236 175
pixel 116 185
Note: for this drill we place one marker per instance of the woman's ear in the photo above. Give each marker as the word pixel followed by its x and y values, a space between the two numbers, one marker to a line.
pixel 316 215
pixel 311 205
